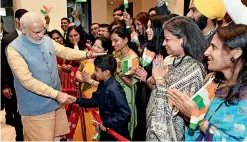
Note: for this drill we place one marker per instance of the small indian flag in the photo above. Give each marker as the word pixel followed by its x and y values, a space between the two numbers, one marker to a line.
pixel 45 10
pixel 126 4
pixel 97 136
pixel 203 99
pixel 134 38
pixel 129 65
pixel 147 57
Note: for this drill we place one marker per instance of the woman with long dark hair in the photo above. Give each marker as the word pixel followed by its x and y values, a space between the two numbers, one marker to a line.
pixel 140 25
pixel 75 37
pixel 76 40
pixel 155 34
pixel 153 46
pixel 225 119
pixel 183 69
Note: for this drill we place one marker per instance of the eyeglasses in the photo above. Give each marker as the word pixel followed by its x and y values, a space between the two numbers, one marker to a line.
pixel 39 32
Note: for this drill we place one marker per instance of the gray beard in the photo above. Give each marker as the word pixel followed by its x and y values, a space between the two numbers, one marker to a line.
pixel 35 41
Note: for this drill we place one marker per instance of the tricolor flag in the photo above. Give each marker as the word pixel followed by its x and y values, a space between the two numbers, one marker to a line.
pixel 126 4
pixel 129 65
pixel 203 99
pixel 97 135
pixel 45 10
pixel 134 38
pixel 147 57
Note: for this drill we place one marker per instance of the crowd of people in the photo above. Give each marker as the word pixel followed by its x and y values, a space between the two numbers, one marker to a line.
pixel 137 75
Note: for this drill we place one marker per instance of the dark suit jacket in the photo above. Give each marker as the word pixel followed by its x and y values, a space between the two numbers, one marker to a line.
pixel 6 74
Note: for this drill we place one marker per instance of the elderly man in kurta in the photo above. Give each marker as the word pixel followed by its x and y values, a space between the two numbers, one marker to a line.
pixel 32 59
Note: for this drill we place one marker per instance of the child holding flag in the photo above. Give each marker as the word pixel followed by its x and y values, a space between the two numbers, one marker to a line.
pixel 110 97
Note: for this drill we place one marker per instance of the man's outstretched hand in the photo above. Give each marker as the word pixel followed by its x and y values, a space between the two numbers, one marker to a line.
pixel 64 98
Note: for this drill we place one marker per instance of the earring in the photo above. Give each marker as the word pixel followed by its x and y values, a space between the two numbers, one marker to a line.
pixel 232 60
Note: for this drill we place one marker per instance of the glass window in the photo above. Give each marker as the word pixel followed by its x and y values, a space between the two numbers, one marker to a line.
pixel 84 11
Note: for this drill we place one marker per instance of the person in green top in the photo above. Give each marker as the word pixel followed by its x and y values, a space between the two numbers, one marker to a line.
pixel 124 50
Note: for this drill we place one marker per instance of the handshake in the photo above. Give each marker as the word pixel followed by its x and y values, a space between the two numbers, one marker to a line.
pixel 64 98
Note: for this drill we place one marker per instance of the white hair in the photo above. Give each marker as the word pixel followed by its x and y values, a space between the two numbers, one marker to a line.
pixel 29 17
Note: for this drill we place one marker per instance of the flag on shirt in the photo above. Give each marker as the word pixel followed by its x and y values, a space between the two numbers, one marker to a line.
pixel 147 57
pixel 129 65
pixel 203 99
pixel 126 4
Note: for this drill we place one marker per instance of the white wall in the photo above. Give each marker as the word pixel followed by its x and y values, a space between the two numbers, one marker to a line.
pixel 59 9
